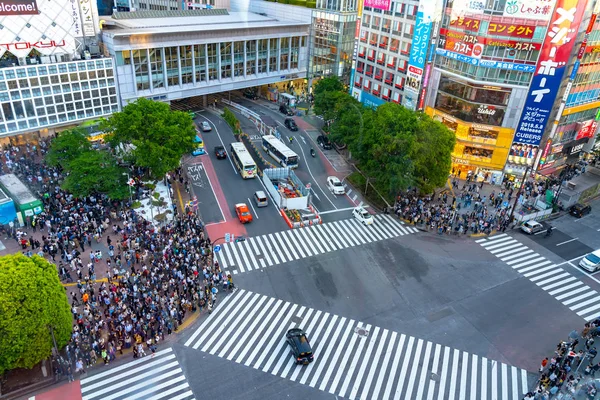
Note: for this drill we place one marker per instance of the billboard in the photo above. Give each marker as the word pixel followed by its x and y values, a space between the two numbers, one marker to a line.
pixel 529 9
pixel 485 63
pixel 473 45
pixel 551 66
pixel 18 7
pixel 378 4
pixel 50 31
pixel 517 31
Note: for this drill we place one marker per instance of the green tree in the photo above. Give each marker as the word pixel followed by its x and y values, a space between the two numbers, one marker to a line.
pixel 67 146
pixel 160 136
pixel 328 92
pixel 432 154
pixel 96 172
pixel 32 303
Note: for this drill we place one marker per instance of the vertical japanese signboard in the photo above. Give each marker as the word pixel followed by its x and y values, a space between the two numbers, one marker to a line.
pixel 418 56
pixel 551 66
pixel 87 17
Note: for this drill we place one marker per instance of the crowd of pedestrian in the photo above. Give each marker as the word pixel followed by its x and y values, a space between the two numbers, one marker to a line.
pixel 571 371
pixel 466 208
pixel 152 276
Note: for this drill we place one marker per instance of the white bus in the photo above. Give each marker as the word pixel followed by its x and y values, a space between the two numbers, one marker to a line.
pixel 279 151
pixel 243 160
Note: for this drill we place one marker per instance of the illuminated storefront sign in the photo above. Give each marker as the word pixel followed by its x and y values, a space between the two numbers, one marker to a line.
pixel 472 45
pixel 418 56
pixel 485 63
pixel 549 72
pixel 511 30
pixel 529 9
pixel 587 129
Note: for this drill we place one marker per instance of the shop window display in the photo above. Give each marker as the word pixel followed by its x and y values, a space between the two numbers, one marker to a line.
pixel 477 152
pixel 470 112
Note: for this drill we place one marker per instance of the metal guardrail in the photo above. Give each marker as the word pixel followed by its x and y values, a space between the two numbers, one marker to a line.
pixel 263 129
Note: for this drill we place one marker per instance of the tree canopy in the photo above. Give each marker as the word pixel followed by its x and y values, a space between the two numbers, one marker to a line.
pixel 395 147
pixel 88 171
pixel 160 136
pixel 32 302
pixel 68 146
pixel 328 92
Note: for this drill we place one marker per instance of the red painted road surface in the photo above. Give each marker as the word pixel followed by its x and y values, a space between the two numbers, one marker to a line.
pixel 68 391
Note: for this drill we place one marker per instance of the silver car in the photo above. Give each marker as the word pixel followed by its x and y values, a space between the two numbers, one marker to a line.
pixel 532 227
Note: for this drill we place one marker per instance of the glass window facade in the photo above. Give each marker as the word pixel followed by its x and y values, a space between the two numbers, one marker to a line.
pixel 29 102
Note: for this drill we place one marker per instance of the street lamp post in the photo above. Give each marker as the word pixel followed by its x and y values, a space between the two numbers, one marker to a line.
pixel 128 179
pixel 512 212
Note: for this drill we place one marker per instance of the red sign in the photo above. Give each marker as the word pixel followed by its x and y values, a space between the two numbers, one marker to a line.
pixel 34 45
pixel 587 130
pixel 415 70
pixel 472 45
pixel 512 30
pixel 468 24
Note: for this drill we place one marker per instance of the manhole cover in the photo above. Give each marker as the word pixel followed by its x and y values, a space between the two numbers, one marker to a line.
pixel 296 319
pixel 361 331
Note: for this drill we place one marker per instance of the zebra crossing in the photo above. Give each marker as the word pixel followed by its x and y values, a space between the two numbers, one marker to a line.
pixel 353 360
pixel 275 248
pixel 553 279
pixel 151 378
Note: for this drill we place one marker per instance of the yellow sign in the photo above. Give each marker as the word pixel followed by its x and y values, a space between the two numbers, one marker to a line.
pixel 583 107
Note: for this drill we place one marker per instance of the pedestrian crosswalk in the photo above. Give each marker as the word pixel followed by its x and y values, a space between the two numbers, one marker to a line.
pixel 151 378
pixel 557 282
pixel 353 360
pixel 280 247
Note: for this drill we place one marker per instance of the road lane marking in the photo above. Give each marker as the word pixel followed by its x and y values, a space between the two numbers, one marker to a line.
pixel 215 193
pixel 253 209
pixel 568 241
pixel 223 144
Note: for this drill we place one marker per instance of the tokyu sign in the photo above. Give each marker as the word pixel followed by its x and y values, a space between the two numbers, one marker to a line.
pixel 18 7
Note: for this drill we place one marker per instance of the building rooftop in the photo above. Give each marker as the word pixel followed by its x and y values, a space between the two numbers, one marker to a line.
pixel 161 22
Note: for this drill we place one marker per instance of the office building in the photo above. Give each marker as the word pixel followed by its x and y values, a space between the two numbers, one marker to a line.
pixel 52 75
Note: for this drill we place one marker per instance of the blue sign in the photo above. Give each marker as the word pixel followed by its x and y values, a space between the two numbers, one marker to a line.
pixel 575 69
pixel 217 248
pixel 371 101
pixel 420 42
pixel 485 63
pixel 227 237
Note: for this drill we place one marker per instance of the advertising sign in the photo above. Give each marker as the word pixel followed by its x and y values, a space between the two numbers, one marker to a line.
pixel 485 63
pixel 378 4
pixel 370 101
pixel 418 53
pixel 468 24
pixel 18 7
pixel 550 69
pixel 511 30
pixel 587 129
pixel 473 45
pixel 529 9
pixel 87 17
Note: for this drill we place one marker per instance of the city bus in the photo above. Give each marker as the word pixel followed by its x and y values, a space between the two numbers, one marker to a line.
pixel 279 151
pixel 243 160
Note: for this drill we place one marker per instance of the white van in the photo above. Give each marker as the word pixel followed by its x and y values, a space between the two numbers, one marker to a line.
pixel 591 262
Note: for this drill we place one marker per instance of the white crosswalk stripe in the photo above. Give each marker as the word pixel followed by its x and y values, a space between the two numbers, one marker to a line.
pixel 557 282
pixel 352 359
pixel 158 377
pixel 285 246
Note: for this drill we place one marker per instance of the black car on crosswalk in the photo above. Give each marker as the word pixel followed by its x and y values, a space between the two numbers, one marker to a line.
pixel 300 346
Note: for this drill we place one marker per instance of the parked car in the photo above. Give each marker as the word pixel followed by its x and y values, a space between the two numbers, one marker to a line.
pixel 286 110
pixel 362 215
pixel 591 262
pixel 260 198
pixel 199 150
pixel 243 213
pixel 335 185
pixel 290 124
pixel 300 346
pixel 579 210
pixel 324 142
pixel 206 126
pixel 220 152
pixel 532 227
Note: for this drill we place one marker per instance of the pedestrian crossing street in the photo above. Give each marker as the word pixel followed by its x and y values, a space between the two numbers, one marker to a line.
pixel 275 248
pixel 150 378
pixel 557 282
pixel 353 360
